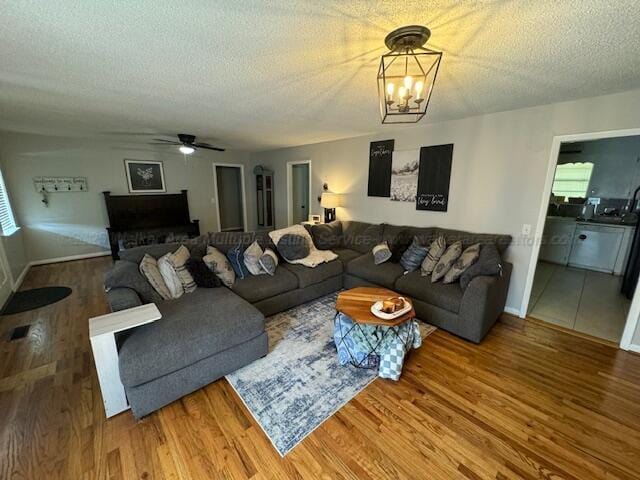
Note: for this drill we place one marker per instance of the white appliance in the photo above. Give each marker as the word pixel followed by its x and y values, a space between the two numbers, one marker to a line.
pixel 596 247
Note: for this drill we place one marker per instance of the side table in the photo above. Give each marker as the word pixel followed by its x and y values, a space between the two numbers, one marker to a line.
pixel 102 334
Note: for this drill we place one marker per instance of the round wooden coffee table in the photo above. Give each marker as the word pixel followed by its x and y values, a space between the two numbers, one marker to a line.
pixel 356 304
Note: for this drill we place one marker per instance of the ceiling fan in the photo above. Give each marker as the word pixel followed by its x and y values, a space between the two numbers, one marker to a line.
pixel 187 144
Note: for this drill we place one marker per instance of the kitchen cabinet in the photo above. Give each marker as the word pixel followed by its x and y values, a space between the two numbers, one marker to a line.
pixel 596 247
pixel 557 240
pixel 604 248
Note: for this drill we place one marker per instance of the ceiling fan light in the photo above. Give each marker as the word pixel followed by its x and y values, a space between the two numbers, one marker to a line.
pixel 186 149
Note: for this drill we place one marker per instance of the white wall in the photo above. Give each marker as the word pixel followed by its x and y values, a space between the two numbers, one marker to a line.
pixel 499 166
pixel 74 223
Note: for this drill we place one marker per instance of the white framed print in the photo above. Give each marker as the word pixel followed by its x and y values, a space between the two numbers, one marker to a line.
pixel 145 176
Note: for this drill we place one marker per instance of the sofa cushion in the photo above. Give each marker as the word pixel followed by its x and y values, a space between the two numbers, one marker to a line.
pixel 361 236
pixel 125 274
pixel 254 288
pixel 446 296
pixel 345 255
pixel 384 274
pixel 469 238
pixel 310 276
pixel 327 236
pixel 217 319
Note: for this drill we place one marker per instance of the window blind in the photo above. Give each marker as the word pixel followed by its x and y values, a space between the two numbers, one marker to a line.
pixel 572 179
pixel 7 220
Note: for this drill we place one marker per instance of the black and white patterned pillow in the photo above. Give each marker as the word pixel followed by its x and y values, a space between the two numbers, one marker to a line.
pixel 381 253
pixel 446 261
pixel 269 261
pixel 464 261
pixel 436 250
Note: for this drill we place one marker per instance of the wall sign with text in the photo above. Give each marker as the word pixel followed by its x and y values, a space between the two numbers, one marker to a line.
pixel 380 157
pixel 434 178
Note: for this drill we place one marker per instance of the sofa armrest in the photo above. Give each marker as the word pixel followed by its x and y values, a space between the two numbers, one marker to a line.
pixel 122 298
pixel 482 303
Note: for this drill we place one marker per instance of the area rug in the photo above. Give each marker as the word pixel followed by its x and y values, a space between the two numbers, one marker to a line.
pixel 300 384
pixel 35 298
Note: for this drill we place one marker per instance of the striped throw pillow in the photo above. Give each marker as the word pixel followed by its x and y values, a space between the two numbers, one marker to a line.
pixel 178 261
pixel 436 250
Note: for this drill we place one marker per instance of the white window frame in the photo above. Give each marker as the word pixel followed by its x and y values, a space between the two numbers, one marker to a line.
pixel 8 225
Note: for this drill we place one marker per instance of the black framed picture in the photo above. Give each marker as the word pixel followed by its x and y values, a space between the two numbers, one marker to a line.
pixel 434 178
pixel 380 157
pixel 145 176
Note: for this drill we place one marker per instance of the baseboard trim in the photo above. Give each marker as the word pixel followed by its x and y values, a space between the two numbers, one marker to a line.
pixel 20 279
pixel 70 258
pixel 512 311
pixel 632 347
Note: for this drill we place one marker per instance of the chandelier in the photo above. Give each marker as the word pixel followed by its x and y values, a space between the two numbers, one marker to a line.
pixel 406 75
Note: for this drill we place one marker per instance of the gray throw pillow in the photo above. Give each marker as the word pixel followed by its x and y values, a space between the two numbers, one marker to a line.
pixel 436 250
pixel 269 261
pixel 446 261
pixel 381 253
pixel 489 263
pixel 413 256
pixel 293 247
pixel 464 261
pixel 125 274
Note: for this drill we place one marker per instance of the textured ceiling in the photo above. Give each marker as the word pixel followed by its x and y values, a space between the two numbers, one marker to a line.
pixel 258 75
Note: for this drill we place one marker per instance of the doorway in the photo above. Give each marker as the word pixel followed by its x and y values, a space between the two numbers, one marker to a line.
pixel 579 274
pixel 229 191
pixel 298 191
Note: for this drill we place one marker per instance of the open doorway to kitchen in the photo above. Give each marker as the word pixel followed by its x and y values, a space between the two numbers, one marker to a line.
pixel 589 257
pixel 228 180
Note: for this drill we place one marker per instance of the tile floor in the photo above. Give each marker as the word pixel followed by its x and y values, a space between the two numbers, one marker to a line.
pixel 586 301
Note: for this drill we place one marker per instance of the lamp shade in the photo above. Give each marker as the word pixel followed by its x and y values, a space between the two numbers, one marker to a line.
pixel 330 200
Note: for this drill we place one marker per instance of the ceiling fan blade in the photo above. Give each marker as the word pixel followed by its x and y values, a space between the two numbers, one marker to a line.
pixel 208 147
pixel 173 142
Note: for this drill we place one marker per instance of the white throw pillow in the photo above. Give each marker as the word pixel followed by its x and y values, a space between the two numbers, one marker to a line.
pixel 252 259
pixel 170 276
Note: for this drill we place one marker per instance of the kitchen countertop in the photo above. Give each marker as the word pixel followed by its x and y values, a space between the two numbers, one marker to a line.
pixel 610 222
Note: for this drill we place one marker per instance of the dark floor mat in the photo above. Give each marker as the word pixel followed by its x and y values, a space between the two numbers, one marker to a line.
pixel 35 298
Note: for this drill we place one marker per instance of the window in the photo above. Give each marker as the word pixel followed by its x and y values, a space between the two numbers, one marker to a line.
pixel 572 179
pixel 7 220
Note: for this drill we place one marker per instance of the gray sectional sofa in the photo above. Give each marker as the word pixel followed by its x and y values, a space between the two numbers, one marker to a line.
pixel 207 334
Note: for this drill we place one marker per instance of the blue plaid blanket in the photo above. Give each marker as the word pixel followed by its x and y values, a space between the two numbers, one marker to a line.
pixel 372 346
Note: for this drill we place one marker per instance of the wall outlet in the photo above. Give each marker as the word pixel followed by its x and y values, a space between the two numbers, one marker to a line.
pixel 526 229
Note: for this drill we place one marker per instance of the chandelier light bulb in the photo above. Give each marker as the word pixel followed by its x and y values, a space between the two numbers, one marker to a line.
pixel 402 91
pixel 390 88
pixel 419 87
pixel 408 82
pixel 187 150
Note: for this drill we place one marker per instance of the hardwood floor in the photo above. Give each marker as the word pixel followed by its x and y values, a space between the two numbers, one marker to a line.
pixel 529 402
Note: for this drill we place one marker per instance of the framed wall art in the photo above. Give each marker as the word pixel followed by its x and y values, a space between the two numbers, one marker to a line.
pixel 434 178
pixel 380 156
pixel 145 176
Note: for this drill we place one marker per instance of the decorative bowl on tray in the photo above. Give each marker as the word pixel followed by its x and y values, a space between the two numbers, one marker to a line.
pixel 391 308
